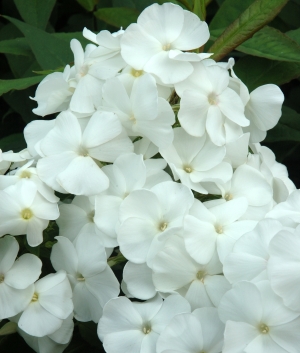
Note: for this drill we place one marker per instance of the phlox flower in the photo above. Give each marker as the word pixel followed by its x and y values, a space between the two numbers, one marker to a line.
pixel 92 280
pixel 256 320
pixel 288 212
pixel 138 280
pixel 6 158
pixel 211 106
pixel 133 327
pixel 200 331
pixel 275 173
pixel 141 112
pixel 216 228
pixel 72 156
pixel 262 107
pixel 56 342
pixel 148 217
pixel 23 210
pixel 16 277
pixel 195 160
pixel 175 270
pixel 50 305
pixel 249 257
pixel 283 267
pixel 155 43
pixel 28 172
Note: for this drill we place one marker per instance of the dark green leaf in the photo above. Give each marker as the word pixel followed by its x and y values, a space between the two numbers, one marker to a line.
pixel 229 11
pixel 13 142
pixel 117 16
pixel 255 72
pixel 35 12
pixel 295 35
pixel 50 52
pixel 288 128
pixel 88 4
pixel 249 22
pixel 20 83
pixel 16 46
pixel 272 44
pixel 20 102
pixel 200 9
pixel 20 46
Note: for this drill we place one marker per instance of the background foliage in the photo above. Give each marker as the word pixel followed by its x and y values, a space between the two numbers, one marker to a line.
pixel 263 36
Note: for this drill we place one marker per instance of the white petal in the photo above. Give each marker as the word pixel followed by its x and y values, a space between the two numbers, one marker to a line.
pixel 9 248
pixel 64 256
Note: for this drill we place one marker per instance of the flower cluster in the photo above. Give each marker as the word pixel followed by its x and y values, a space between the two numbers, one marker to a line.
pixel 156 156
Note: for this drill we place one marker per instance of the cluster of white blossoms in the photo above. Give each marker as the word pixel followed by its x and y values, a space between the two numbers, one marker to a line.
pixel 158 148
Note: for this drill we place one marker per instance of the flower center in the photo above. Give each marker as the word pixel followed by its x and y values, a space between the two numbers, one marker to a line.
pixel 35 297
pixel 219 229
pixel 166 47
pixel 25 174
pixel 133 119
pixel 228 197
pixel 26 213
pixel 213 99
pixel 91 216
pixel 188 169
pixel 263 328
pixel 1 278
pixel 163 225
pixel 200 276
pixel 137 73
pixel 80 278
pixel 146 329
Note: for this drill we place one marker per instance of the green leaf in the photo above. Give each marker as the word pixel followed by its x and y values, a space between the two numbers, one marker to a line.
pixel 15 142
pixel 288 128
pixel 117 16
pixel 89 5
pixel 295 35
pixel 50 51
pixel 16 46
pixel 249 22
pixel 272 44
pixel 228 12
pixel 35 12
pixel 19 83
pixel 20 46
pixel 255 72
pixel 200 9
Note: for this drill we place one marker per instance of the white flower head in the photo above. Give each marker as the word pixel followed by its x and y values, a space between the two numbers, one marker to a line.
pixel 156 42
pixel 16 277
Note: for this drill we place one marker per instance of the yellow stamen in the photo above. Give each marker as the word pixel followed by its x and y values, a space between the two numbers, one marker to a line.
pixel 26 213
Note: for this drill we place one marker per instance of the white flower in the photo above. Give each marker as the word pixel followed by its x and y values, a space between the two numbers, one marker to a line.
pixel 194 160
pixel 16 277
pixel 156 42
pixel 138 280
pixel 175 270
pixel 56 342
pixel 249 257
pixel 92 280
pixel 200 331
pixel 149 217
pixel 288 212
pixel 142 113
pixel 283 267
pixel 28 172
pixel 212 107
pixel 220 228
pixel 53 93
pixel 257 321
pixel 24 211
pixel 135 327
pixel 69 165
pixel 50 304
